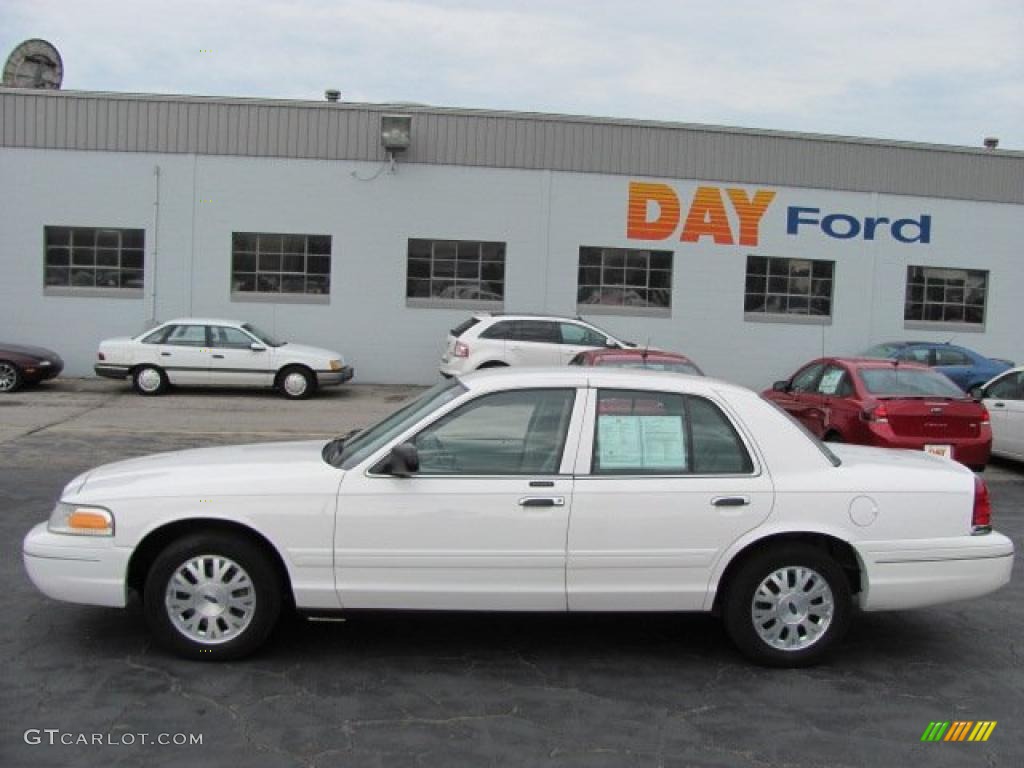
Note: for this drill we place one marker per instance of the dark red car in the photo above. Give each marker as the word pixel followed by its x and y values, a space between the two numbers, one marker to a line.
pixel 20 364
pixel 654 359
pixel 889 404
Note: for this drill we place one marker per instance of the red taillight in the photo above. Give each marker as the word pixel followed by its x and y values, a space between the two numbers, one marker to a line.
pixel 981 517
pixel 985 420
pixel 877 414
pixel 461 349
pixel 100 356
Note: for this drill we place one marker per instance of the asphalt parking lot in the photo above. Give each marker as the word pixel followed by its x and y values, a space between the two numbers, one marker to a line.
pixel 453 690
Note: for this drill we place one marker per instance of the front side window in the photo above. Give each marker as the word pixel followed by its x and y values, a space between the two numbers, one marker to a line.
pixel 922 355
pixel 84 259
pixel 626 278
pixel 791 287
pixel 807 379
pixel 230 338
pixel 506 433
pixel 939 295
pixel 659 433
pixel 278 265
pixel 1010 387
pixel 459 272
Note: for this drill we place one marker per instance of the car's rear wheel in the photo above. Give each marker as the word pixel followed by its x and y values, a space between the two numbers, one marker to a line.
pixel 10 376
pixel 149 380
pixel 211 596
pixel 787 606
pixel 296 382
pixel 492 364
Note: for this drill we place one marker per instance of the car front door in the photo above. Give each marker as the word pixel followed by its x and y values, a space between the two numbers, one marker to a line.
pixel 839 410
pixel 185 355
pixel 533 342
pixel 234 363
pixel 482 522
pixel 1004 400
pixel 665 483
pixel 802 399
pixel 576 338
pixel 954 364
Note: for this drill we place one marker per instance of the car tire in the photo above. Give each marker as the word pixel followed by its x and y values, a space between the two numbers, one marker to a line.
pixel 148 380
pixel 10 377
pixel 492 364
pixel 228 623
pixel 296 382
pixel 833 437
pixel 787 606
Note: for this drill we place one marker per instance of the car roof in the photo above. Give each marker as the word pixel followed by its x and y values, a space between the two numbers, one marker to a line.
pixel 202 321
pixel 586 376
pixel 875 362
pixel 524 316
pixel 652 354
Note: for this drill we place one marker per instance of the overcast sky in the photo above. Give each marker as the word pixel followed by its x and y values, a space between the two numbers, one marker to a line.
pixel 942 71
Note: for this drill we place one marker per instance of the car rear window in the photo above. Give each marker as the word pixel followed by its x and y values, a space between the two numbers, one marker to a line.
pixel 908 382
pixel 461 328
pixel 675 366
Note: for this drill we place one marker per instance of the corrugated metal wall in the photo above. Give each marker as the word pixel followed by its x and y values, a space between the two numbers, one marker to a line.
pixel 320 130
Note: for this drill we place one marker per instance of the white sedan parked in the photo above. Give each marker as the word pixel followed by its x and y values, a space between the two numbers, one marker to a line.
pixel 1003 397
pixel 530 490
pixel 199 351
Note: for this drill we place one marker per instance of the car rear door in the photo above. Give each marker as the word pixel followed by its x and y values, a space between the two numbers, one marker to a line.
pixel 954 364
pixel 664 483
pixel 533 342
pixel 481 525
pixel 1004 399
pixel 839 407
pixel 185 355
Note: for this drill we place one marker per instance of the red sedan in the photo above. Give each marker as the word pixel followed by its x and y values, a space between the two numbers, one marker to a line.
pixel 888 404
pixel 655 359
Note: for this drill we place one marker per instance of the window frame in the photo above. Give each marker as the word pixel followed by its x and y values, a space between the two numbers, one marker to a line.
pixel 499 248
pixel 603 253
pixel 279 296
pixel 941 282
pixel 796 318
pixel 122 251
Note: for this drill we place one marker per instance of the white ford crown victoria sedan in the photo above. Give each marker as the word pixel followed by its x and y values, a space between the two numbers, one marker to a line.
pixel 530 490
pixel 210 352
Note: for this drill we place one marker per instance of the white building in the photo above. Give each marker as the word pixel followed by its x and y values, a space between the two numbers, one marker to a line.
pixel 751 251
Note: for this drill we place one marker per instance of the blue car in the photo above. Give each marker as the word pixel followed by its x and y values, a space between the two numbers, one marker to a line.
pixel 964 366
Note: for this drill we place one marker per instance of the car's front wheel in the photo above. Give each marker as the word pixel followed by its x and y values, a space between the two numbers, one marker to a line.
pixel 296 382
pixel 787 606
pixel 210 596
pixel 10 376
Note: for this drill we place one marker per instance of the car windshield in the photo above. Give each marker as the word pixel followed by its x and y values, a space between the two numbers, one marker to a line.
pixel 883 350
pixel 908 382
pixel 357 447
pixel 263 336
pixel 675 366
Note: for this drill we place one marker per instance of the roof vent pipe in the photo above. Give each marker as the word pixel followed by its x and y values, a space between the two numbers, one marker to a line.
pixel 991 142
pixel 332 95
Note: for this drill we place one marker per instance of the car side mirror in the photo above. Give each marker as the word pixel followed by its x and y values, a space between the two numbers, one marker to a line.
pixel 403 460
pixel 781 386
pixel 612 344
pixel 977 392
pixel 256 347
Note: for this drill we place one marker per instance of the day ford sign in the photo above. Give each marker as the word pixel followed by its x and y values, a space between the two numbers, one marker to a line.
pixel 655 212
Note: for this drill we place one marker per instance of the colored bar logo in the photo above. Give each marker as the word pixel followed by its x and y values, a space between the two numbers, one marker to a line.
pixel 959 730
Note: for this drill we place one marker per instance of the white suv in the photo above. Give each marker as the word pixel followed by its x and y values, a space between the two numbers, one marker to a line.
pixel 488 341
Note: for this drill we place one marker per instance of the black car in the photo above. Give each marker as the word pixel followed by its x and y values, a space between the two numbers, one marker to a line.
pixel 21 364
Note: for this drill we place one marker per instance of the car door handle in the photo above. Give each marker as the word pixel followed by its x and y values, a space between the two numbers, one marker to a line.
pixel 542 501
pixel 218 357
pixel 165 354
pixel 730 501
pixel 998 405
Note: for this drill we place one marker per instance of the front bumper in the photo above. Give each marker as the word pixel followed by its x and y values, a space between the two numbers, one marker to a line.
pixel 904 574
pixel 76 569
pixel 333 378
pixel 111 371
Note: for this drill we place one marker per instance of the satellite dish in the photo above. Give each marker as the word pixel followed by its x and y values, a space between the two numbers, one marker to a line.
pixel 34 64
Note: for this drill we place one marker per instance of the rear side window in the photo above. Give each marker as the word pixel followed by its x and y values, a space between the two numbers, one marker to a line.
pixel 581 335
pixel 536 330
pixel 951 357
pixel 188 336
pixel 461 328
pixel 502 330
pixel 159 336
pixel 921 355
pixel 661 433
pixel 835 381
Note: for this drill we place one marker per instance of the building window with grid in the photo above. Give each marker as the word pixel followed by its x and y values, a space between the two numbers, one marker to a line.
pixel 940 295
pixel 624 281
pixel 93 260
pixel 796 290
pixel 280 267
pixel 455 273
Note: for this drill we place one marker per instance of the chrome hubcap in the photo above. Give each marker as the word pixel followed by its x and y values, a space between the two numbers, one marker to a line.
pixel 792 608
pixel 7 376
pixel 210 599
pixel 295 384
pixel 149 380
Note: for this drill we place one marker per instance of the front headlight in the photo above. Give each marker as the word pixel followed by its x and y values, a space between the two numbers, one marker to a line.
pixel 335 365
pixel 44 363
pixel 81 520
